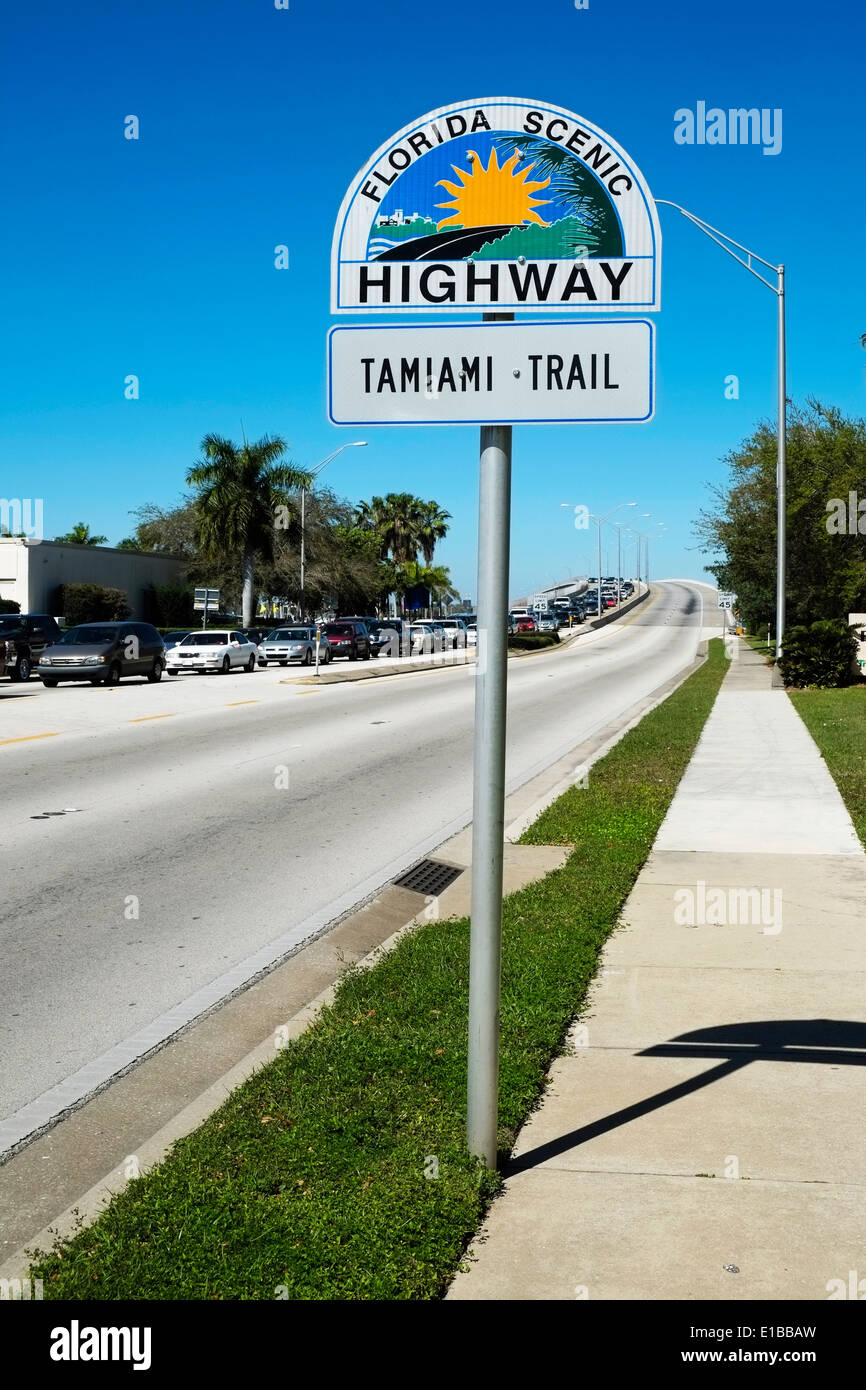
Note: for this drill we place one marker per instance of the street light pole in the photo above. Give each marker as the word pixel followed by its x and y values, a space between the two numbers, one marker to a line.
pixel 598 576
pixel 781 469
pixel 598 520
pixel 314 473
pixel 720 238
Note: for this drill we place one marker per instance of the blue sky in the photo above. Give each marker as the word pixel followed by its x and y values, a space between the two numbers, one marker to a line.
pixel 156 257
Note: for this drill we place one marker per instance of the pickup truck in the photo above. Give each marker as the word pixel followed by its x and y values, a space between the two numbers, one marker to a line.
pixel 23 638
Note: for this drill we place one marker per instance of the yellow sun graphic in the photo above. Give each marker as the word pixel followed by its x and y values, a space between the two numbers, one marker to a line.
pixel 492 196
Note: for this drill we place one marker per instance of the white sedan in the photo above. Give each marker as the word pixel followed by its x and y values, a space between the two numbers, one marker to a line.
pixel 212 649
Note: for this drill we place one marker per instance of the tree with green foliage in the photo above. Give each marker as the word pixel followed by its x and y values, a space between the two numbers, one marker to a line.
pixel 436 579
pixel 574 184
pixel 406 527
pixel 243 495
pixel 826 567
pixel 344 570
pixel 80 535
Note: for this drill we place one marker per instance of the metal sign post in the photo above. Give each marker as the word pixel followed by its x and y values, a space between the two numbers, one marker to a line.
pixel 488 790
pixel 203 601
pixel 488 801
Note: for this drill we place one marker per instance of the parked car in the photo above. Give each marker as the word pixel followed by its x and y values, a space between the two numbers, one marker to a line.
pixel 472 633
pixel 171 639
pixel 103 653
pixel 213 649
pixel 386 635
pixel 456 630
pixel 349 638
pixel 256 634
pixel 525 624
pixel 367 619
pixel 23 639
pixel 287 644
pixel 425 638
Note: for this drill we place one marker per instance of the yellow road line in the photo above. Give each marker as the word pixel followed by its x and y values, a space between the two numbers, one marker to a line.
pixel 145 717
pixel 232 703
pixel 25 738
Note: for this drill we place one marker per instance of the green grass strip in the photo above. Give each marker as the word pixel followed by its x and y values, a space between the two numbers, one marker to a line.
pixel 836 719
pixel 759 644
pixel 339 1171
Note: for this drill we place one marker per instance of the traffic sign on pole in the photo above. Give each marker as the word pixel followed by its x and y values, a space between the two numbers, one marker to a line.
pixel 489 373
pixel 495 206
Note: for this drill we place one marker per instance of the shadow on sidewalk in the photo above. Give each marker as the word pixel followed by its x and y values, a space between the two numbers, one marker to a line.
pixel 734 1045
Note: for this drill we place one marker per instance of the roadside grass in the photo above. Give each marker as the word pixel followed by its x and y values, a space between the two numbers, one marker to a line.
pixel 339 1171
pixel 836 719
pixel 759 644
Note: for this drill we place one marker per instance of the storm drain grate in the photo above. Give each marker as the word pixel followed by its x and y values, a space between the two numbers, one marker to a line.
pixel 429 877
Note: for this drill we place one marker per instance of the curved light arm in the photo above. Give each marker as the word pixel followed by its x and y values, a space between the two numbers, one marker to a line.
pixel 720 238
pixel 352 444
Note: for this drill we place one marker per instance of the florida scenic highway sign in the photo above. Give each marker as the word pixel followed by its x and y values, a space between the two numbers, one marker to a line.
pixel 497 204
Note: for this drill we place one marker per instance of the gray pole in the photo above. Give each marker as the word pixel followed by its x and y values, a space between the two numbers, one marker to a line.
pixel 303 519
pixel 618 566
pixel 488 810
pixel 781 479
pixel 598 576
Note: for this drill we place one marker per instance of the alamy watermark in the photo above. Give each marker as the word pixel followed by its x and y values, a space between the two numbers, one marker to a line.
pixel 729 907
pixel 22 516
pixel 736 126
pixel 846 518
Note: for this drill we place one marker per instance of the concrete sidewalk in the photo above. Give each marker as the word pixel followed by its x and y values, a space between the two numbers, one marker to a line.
pixel 704 1139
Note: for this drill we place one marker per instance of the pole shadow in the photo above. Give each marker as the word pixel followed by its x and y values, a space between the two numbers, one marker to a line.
pixel 731 1047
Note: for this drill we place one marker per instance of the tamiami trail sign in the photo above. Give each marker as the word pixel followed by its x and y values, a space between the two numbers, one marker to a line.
pixel 497 204
pixel 491 373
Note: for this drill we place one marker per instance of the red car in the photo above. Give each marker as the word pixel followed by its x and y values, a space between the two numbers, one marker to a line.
pixel 526 625
pixel 350 639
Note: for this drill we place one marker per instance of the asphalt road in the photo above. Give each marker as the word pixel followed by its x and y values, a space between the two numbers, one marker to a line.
pixel 182 854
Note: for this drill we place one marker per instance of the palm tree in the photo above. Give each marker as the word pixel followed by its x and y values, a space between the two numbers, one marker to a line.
pixel 80 535
pixel 575 185
pixel 242 493
pixel 433 527
pixel 436 579
pixel 405 525
pixel 399 524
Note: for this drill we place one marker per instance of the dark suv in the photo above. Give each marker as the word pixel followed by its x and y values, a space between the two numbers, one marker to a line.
pixel 23 638
pixel 349 638
pixel 103 653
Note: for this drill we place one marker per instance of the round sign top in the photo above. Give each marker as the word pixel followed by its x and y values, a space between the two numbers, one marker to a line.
pixel 497 203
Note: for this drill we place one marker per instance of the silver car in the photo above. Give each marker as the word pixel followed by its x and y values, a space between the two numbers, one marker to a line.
pixel 287 644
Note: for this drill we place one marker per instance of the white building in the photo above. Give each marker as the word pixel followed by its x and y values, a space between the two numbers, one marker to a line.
pixel 31 570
